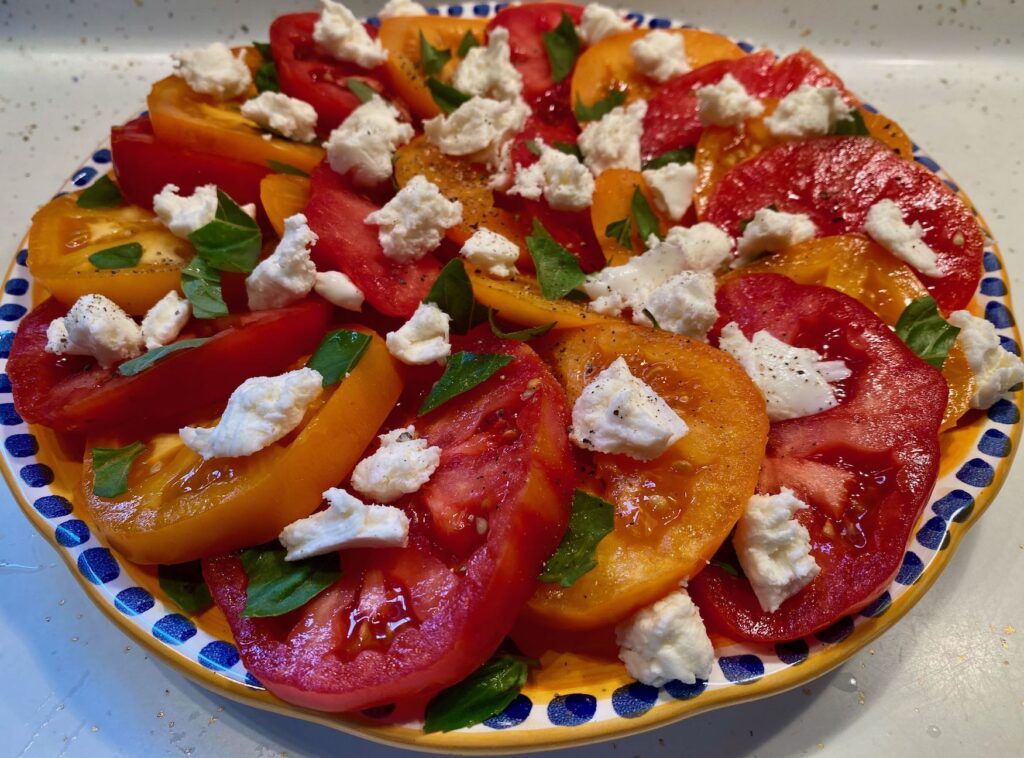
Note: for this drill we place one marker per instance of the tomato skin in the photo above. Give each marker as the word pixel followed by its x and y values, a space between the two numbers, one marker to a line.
pixel 865 467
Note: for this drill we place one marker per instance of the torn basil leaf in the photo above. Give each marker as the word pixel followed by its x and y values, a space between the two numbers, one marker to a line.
pixel 157 354
pixel 469 41
pixel 127 255
pixel 621 231
pixel 452 292
pixel 591 520
pixel 184 584
pixel 646 221
pixel 562 45
pixel 232 241
pixel 558 271
pixel 432 59
pixel 534 147
pixel 201 285
pixel 103 193
pixel 682 155
pixel 573 150
pixel 520 335
pixel 338 354
pixel 851 127
pixel 925 332
pixel 463 372
pixel 110 467
pixel 484 693
pixel 650 317
pixel 363 91
pixel 594 112
pixel 277 586
pixel 447 98
pixel 285 168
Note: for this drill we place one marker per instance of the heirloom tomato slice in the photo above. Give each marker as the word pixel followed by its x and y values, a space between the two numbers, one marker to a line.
pixel 283 195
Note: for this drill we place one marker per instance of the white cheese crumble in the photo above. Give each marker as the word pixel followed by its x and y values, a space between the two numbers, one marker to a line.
pixel 259 412
pixel 685 304
pixel 396 8
pixel 614 140
pixel 770 231
pixel 164 321
pixel 564 182
pixel 492 252
pixel 337 289
pixel 808 112
pixel 98 327
pixel 423 338
pixel 599 21
pixel 666 641
pixel 660 55
pixel 213 71
pixel 341 35
pixel 478 129
pixel 413 222
pixel 774 548
pixel 401 465
pixel 995 369
pixel 287 116
pixel 287 275
pixel 346 523
pixel 488 71
pixel 619 413
pixel 795 381
pixel 672 186
pixel 184 214
pixel 364 143
pixel 727 103
pixel 885 225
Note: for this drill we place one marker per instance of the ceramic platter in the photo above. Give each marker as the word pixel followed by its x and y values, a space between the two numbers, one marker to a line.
pixel 571 699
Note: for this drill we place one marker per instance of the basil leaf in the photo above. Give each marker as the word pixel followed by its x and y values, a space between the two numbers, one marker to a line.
pixel 264 49
pixel 925 332
pixel 363 91
pixel 728 568
pixel 621 231
pixel 650 317
pixel 432 59
pixel 573 150
pixel 453 294
pixel 102 194
pixel 463 372
pixel 469 41
pixel 277 586
pixel 646 221
pixel 338 354
pixel 558 271
pixel 110 466
pixel 151 357
pixel 533 147
pixel 266 77
pixel 285 168
pixel 484 693
pixel 232 241
pixel 521 335
pixel 127 255
pixel 184 584
pixel 201 285
pixel 594 112
pixel 851 127
pixel 447 98
pixel 682 155
pixel 563 46
pixel 591 520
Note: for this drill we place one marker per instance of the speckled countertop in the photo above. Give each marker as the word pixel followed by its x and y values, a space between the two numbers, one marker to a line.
pixel 948 680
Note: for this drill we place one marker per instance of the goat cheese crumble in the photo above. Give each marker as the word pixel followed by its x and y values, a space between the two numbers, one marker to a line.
pixel 493 253
pixel 770 231
pixel 808 112
pixel 337 289
pixel 726 103
pixel 346 523
pixel 660 55
pixel 397 8
pixel 413 222
pixel 341 35
pixel 287 275
pixel 365 142
pixel 401 465
pixel 478 129
pixel 885 225
pixel 685 304
pixel 488 71
pixel 98 327
pixel 996 370
pixel 599 21
pixel 672 186
pixel 614 140
pixel 213 70
pixel 560 178
pixel 183 214
pixel 164 321
pixel 423 338
pixel 290 117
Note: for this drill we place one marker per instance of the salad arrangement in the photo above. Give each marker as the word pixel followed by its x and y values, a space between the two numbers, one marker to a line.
pixel 415 347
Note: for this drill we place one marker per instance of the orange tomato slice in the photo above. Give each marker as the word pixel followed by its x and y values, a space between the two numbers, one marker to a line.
pixel 283 195
pixel 613 198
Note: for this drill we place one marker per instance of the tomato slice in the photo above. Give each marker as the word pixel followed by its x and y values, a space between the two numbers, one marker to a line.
pixel 402 623
pixel 672 513
pixel 865 467
pixel 613 199
pixel 283 195
pixel 72 394
pixel 836 180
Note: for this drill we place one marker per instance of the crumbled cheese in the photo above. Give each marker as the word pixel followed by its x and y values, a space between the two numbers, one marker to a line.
pixel 287 275
pixel 488 71
pixel 808 112
pixel 795 381
pixel 600 21
pixel 290 117
pixel 401 465
pixel 165 320
pixel 337 289
pixel 685 304
pixel 660 55
pixel 413 222
pixel 364 143
pixel 396 8
pixel 996 370
pixel 614 140
pixel 770 231
pixel 492 252
pixel 98 327
pixel 213 71
pixel 885 225
pixel 346 523
pixel 666 641
pixel 672 186
pixel 341 35
pixel 503 170
pixel 564 182
pixel 619 413
pixel 774 548
pixel 259 412
pixel 423 338
pixel 184 214
pixel 478 129
pixel 727 103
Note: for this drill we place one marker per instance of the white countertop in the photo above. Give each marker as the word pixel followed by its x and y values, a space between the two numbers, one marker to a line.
pixel 947 680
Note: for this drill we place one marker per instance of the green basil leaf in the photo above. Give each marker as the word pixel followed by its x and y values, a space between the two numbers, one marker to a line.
pixel 621 231
pixel 277 586
pixel 463 372
pixel 563 46
pixel 232 241
pixel 184 584
pixel 591 520
pixel 363 91
pixel 151 357
pixel 285 168
pixel 484 693
pixel 201 285
pixel 925 332
pixel 127 255
pixel 110 466
pixel 266 77
pixel 520 335
pixel 728 568
pixel 573 150
pixel 103 193
pixel 264 50
pixel 469 41
pixel 338 354
pixel 558 271
pixel 682 155
pixel 851 127
pixel 453 294
pixel 447 98
pixel 646 221
pixel 594 112
pixel 650 317
pixel 432 59
pixel 534 147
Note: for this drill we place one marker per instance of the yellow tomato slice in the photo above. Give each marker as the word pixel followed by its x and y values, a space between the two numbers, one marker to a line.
pixel 613 198
pixel 283 195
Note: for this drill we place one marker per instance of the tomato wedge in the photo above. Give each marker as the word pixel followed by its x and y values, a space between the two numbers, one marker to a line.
pixel 405 622
pixel 283 195
pixel 866 467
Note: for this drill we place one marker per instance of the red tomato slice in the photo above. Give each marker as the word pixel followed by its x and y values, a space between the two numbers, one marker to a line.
pixel 802 67
pixel 836 180
pixel 866 467
pixel 403 623
pixel 73 394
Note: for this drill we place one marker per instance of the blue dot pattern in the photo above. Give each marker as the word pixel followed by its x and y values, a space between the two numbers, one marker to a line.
pixel 792 653
pixel 932 533
pixel 174 629
pixel 993 442
pixel 102 156
pixel 632 700
pixel 741 669
pixel 1009 345
pixel 5 384
pixel 991 262
pixel 838 632
pixel 72 533
pixel 16 286
pixel 98 566
pixel 928 163
pixel 976 472
pixel 683 691
pixel 133 601
pixel 878 606
pixel 515 713
pixel 218 655
pixel 951 505
pixel 9 416
pixel 455 10
pixel 83 176
pixel 999 315
pixel 993 287
pixel 911 569
pixel 659 23
pixel 1004 412
pixel 22 257
pixel 572 710
pixel 36 475
pixel 12 311
pixel 6 338
pixel 255 683
pixel 21 445
pixel 482 9
pixel 52 506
